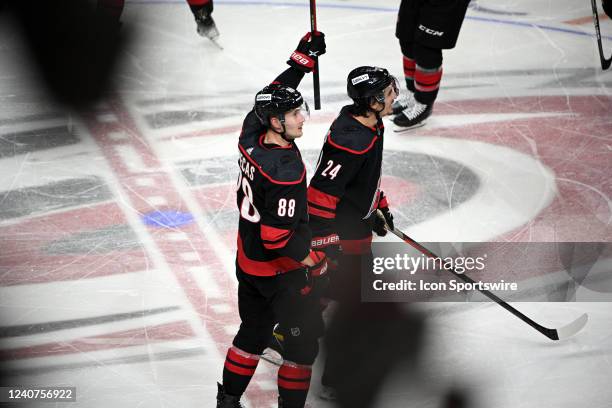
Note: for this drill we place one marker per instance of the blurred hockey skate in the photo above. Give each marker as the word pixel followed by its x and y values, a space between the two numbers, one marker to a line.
pixel 412 117
pixel 206 25
pixel 225 400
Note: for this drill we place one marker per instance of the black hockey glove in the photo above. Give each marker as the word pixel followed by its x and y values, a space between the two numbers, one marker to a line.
pixel 310 46
pixel 383 217
pixel 607 7
pixel 317 275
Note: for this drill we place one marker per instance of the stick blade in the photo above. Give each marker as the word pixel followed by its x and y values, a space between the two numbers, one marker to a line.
pixel 572 328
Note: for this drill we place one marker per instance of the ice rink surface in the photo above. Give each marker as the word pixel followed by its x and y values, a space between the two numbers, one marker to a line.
pixel 117 228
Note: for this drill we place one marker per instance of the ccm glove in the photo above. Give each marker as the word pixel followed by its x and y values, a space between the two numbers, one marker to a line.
pixel 383 217
pixel 310 47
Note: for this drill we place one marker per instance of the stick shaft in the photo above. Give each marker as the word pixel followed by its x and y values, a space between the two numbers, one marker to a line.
pixel 315 72
pixel 605 63
pixel 550 333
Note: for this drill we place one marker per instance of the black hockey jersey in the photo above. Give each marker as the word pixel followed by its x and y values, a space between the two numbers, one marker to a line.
pixel 347 180
pixel 273 233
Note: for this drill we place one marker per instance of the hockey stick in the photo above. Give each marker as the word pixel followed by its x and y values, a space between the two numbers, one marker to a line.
pixel 553 334
pixel 605 63
pixel 315 72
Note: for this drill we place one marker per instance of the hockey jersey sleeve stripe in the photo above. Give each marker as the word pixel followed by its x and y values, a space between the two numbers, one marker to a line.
pixel 273 234
pixel 265 268
pixel 323 200
pixel 321 213
pixel 298 181
pixel 320 207
pixel 336 145
pixel 279 243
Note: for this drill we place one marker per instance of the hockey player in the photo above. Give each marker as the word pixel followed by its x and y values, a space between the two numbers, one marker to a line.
pixel 201 9
pixel 275 266
pixel 344 193
pixel 424 28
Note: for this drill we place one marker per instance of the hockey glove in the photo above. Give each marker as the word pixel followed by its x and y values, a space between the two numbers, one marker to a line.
pixel 310 47
pixel 383 217
pixel 317 274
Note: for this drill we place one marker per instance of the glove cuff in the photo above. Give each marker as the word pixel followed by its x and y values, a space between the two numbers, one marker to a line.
pixel 382 201
pixel 320 267
pixel 301 61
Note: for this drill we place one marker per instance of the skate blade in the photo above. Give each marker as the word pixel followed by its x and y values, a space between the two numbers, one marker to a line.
pixel 400 129
pixel 216 43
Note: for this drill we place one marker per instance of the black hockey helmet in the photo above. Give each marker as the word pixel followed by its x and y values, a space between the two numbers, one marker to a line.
pixel 276 100
pixel 364 83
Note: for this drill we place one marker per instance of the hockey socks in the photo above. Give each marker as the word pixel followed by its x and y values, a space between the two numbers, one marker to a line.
pixel 293 384
pixel 238 370
pixel 427 84
pixel 409 68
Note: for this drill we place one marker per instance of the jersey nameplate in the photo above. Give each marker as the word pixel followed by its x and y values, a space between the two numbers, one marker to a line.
pixel 247 168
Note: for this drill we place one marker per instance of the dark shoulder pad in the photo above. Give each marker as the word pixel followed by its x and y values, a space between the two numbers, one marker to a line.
pixel 284 166
pixel 280 166
pixel 348 134
pixel 251 130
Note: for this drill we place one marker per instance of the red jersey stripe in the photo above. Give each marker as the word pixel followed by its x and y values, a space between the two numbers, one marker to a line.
pixel 321 213
pixel 274 238
pixel 265 268
pixel 322 199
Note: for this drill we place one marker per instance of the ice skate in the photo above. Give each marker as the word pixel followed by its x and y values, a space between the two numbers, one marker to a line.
pixel 403 102
pixel 412 117
pixel 227 401
pixel 206 25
